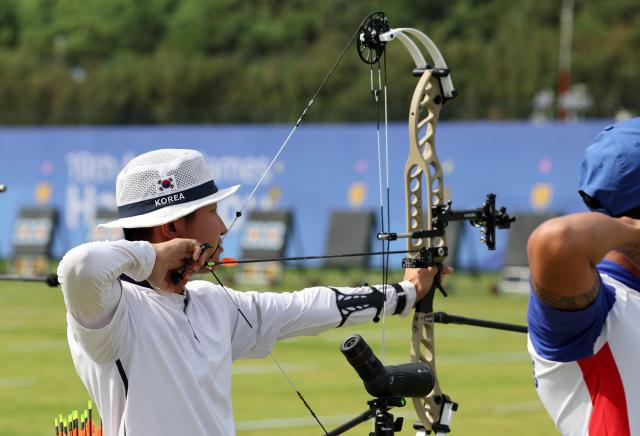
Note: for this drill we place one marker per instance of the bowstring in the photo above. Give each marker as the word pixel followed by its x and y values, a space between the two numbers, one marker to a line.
pixel 270 353
pixel 295 127
pixel 255 188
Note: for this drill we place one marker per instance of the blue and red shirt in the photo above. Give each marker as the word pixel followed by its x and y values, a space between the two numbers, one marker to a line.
pixel 586 362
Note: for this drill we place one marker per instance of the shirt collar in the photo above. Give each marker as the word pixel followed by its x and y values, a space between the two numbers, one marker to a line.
pixel 619 273
pixel 144 284
pixel 172 296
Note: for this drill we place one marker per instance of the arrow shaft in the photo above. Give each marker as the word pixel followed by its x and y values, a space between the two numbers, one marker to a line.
pixel 328 256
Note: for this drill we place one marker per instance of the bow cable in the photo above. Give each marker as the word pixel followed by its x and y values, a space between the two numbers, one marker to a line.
pixel 375 91
pixel 385 258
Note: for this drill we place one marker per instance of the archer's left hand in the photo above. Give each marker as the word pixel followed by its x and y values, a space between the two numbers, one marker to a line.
pixel 422 278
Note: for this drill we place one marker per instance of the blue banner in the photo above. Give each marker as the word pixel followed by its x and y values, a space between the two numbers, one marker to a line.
pixel 531 167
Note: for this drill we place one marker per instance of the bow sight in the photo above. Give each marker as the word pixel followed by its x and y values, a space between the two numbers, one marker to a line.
pixel 486 217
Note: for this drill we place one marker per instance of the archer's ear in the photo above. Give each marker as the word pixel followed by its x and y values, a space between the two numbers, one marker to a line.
pixel 169 230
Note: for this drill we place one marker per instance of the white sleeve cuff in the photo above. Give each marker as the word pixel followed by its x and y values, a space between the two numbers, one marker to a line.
pixel 146 258
pixel 410 291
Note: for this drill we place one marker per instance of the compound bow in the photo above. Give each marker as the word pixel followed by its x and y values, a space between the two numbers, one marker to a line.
pixel 428 213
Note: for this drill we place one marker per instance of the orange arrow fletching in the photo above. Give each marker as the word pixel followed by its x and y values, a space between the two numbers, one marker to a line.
pixel 228 261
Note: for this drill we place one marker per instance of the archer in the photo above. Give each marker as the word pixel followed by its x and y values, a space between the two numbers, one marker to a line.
pixel 155 353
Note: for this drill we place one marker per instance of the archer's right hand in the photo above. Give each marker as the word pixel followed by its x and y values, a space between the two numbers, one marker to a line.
pixel 171 256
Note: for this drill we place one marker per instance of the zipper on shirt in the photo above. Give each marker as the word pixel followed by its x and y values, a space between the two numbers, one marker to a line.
pixel 186 301
pixel 192 330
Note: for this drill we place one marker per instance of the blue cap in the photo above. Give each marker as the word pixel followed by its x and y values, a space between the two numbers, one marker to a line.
pixel 610 172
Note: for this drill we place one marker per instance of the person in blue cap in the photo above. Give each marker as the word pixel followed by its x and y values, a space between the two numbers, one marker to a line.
pixel 584 308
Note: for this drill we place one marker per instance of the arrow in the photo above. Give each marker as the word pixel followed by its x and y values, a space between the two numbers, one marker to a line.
pixel 228 261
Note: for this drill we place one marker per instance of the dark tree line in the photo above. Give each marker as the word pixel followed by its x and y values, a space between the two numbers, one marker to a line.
pixel 233 61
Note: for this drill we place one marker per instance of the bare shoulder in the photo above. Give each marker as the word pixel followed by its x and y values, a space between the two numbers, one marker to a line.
pixel 562 258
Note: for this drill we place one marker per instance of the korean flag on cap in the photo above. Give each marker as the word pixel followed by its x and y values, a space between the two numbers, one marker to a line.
pixel 166 184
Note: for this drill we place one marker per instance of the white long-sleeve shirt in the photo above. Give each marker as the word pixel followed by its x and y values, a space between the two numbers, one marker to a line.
pixel 159 363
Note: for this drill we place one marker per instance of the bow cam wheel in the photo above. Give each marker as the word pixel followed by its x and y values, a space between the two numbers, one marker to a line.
pixel 370 48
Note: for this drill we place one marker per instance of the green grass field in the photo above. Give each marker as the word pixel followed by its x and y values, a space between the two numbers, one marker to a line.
pixel 487 372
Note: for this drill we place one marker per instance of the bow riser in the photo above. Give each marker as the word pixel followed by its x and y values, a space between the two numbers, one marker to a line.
pixel 424 186
pixel 424 182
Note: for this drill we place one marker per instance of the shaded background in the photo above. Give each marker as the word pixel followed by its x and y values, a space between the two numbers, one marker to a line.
pixel 229 61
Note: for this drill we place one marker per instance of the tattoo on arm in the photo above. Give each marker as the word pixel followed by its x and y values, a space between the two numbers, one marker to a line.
pixel 575 302
pixel 633 252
